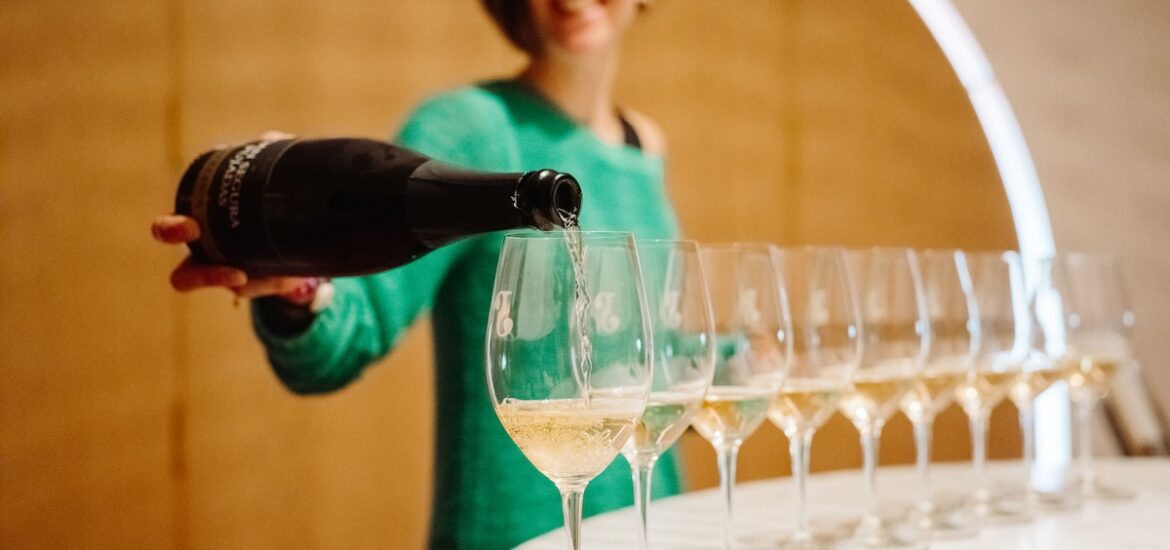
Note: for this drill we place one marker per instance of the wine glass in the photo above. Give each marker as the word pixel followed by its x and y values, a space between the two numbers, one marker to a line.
pixel 1045 364
pixel 954 336
pixel 997 282
pixel 826 338
pixel 895 342
pixel 684 356
pixel 568 354
pixel 753 347
pixel 1099 319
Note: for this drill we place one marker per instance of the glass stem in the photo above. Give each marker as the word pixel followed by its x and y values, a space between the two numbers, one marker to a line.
pixel 642 470
pixel 726 455
pixel 870 447
pixel 1027 429
pixel 978 423
pixel 1084 405
pixel 923 430
pixel 571 497
pixel 799 443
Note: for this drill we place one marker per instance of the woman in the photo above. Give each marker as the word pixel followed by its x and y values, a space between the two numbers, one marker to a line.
pixel 559 112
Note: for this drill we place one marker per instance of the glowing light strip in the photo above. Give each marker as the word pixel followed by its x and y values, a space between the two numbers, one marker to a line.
pixel 1029 213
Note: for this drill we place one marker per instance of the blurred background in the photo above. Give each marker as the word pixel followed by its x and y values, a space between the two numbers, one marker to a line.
pixel 134 417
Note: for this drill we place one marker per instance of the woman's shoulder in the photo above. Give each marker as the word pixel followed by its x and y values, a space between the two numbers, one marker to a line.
pixel 650 135
pixel 455 125
pixel 480 102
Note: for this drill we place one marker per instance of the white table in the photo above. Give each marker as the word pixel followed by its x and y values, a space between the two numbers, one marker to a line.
pixel 765 508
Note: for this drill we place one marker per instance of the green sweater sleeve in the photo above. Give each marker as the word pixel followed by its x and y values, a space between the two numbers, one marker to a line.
pixel 369 314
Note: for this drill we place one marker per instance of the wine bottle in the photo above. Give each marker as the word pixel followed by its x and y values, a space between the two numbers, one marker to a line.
pixel 333 207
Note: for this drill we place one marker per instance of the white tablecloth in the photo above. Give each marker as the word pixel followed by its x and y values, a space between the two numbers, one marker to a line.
pixel 765 509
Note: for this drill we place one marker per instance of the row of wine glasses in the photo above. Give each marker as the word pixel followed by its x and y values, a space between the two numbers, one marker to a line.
pixel 987 335
pixel 598 345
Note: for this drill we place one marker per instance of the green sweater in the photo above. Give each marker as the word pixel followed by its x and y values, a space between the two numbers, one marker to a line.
pixel 486 493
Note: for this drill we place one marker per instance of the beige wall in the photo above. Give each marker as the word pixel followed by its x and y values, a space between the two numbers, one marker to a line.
pixel 132 417
pixel 1097 119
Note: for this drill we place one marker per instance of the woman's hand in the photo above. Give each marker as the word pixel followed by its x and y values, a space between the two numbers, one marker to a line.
pixel 191 275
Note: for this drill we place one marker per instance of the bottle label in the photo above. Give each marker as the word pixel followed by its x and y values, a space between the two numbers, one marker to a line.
pixel 199 199
pixel 228 196
pixel 220 198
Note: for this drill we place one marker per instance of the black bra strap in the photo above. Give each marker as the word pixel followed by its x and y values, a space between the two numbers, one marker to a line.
pixel 629 135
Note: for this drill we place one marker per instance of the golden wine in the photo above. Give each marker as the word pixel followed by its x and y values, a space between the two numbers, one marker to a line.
pixel 806 403
pixel 665 419
pixel 568 439
pixel 1094 372
pixel 1032 383
pixel 1040 380
pixel 934 390
pixel 875 397
pixel 984 390
pixel 731 413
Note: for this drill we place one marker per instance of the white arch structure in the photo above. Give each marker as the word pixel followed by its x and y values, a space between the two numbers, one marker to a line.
pixel 1029 213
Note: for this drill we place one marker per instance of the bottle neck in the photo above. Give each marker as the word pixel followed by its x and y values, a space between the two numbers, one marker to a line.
pixel 447 203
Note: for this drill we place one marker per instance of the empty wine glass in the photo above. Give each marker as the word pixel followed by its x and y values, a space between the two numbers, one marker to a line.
pixel 997 282
pixel 895 342
pixel 1099 319
pixel 826 338
pixel 568 354
pixel 954 336
pixel 752 330
pixel 684 355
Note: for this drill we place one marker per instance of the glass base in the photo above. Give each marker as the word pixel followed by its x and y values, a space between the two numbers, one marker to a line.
pixel 874 532
pixel 1019 501
pixel 1003 505
pixel 825 532
pixel 1057 501
pixel 813 541
pixel 1000 510
pixel 946 521
pixel 1095 490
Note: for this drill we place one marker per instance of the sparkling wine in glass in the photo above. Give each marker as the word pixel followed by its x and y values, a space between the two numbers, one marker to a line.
pixel 1099 320
pixel 953 323
pixel 570 415
pixel 826 338
pixel 684 356
pixel 752 350
pixel 997 282
pixel 895 342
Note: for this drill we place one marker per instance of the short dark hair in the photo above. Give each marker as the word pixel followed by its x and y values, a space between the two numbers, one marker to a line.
pixel 515 21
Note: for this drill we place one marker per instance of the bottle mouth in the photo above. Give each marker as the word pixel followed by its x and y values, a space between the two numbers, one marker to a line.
pixel 566 200
pixel 550 199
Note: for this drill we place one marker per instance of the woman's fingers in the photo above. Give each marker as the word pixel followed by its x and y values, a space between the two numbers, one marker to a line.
pixel 274 135
pixel 174 229
pixel 191 276
pixel 268 285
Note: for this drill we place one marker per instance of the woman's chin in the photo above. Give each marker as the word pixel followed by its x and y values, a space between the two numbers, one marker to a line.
pixel 584 41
